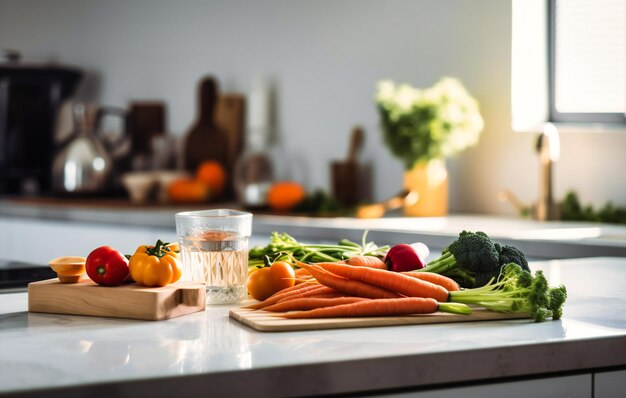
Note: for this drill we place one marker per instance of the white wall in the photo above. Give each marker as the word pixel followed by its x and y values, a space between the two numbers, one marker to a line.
pixel 325 57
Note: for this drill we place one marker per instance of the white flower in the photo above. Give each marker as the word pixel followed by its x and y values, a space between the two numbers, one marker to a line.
pixel 454 125
pixel 386 90
pixel 406 96
pixel 453 113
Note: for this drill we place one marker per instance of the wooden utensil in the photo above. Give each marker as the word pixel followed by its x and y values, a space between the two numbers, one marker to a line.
pixel 126 301
pixel 357 139
pixel 350 180
pixel 377 210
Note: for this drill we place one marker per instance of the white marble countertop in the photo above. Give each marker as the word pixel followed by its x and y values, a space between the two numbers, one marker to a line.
pixel 202 353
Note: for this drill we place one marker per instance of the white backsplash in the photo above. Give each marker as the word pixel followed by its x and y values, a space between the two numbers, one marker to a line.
pixel 325 57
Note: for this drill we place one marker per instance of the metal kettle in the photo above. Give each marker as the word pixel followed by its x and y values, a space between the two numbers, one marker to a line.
pixel 84 165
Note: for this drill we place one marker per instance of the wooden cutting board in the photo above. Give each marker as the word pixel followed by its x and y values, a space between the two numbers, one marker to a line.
pixel 131 301
pixel 265 321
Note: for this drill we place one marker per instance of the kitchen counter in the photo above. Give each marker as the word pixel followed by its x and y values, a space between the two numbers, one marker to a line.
pixel 540 240
pixel 209 354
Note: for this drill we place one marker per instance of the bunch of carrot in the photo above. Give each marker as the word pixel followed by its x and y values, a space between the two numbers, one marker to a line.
pixel 303 275
pixel 363 287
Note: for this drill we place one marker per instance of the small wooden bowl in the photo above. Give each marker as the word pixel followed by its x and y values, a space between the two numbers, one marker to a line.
pixel 69 269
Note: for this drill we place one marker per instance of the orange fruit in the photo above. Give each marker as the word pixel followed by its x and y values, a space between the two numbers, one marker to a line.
pixel 213 175
pixel 187 190
pixel 284 196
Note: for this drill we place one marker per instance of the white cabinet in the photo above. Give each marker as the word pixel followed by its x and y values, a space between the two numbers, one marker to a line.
pixel 554 387
pixel 610 384
pixel 38 241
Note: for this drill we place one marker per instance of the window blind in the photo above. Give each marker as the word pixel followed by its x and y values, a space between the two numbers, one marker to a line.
pixel 590 56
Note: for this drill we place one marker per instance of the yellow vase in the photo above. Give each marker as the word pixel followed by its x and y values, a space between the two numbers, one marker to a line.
pixel 428 181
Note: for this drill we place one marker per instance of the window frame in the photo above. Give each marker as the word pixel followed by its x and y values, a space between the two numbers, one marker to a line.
pixel 569 117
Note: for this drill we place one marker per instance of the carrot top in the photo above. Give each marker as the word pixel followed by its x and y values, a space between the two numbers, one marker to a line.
pixel 285 247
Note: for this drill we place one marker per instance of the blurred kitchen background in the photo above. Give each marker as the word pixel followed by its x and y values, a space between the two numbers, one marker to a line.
pixel 306 72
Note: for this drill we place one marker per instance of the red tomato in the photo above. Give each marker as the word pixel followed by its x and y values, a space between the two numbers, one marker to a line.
pixel 106 266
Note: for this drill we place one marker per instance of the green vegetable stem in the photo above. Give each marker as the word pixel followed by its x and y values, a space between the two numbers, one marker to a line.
pixel 517 291
pixel 283 247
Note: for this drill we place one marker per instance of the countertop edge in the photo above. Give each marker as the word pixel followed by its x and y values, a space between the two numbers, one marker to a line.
pixel 411 372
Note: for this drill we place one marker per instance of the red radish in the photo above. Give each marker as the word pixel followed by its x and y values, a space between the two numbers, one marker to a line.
pixel 403 257
pixel 422 251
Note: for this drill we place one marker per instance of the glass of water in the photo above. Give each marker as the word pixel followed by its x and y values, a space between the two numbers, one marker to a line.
pixel 214 250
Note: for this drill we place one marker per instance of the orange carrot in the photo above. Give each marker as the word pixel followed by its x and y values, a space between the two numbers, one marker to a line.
pixel 308 293
pixel 307 303
pixel 302 275
pixel 380 307
pixel 328 295
pixel 353 287
pixel 282 294
pixel 289 289
pixel 441 280
pixel 367 261
pixel 388 280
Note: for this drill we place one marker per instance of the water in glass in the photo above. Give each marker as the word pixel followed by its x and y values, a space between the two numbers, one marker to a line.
pixel 219 259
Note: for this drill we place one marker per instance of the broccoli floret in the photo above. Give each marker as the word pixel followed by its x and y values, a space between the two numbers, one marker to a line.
pixel 539 298
pixel 474 259
pixel 472 254
pixel 511 254
pixel 475 251
pixel 558 295
pixel 517 290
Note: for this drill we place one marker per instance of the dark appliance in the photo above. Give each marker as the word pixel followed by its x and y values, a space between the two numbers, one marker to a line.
pixel 15 274
pixel 30 97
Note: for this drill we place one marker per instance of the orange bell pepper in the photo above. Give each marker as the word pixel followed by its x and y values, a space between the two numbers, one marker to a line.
pixel 156 265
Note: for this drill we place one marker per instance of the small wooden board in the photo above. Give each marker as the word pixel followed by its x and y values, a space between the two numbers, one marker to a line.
pixel 265 321
pixel 130 301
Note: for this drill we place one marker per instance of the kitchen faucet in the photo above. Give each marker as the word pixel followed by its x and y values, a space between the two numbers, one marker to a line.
pixel 548 148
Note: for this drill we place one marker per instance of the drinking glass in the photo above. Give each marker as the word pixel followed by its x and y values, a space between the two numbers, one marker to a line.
pixel 214 250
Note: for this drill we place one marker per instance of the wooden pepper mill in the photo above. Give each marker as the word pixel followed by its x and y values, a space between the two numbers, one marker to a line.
pixel 206 140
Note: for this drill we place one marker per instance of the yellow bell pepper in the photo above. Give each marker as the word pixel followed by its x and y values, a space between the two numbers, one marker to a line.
pixel 155 265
